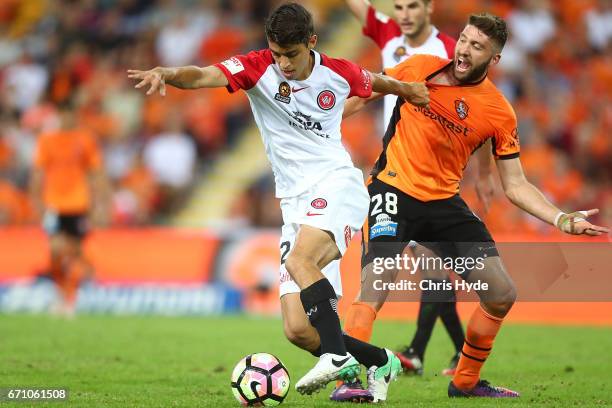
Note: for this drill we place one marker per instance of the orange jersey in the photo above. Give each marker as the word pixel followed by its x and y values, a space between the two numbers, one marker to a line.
pixel 66 157
pixel 425 151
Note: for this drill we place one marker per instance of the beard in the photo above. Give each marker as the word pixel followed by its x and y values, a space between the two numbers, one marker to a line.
pixel 475 74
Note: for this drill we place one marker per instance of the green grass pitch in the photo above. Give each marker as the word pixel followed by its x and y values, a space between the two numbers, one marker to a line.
pixel 186 362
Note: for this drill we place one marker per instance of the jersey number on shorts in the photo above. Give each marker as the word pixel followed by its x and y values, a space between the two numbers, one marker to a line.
pixel 390 203
pixel 285 246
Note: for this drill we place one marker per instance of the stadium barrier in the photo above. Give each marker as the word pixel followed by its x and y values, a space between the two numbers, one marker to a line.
pixel 194 272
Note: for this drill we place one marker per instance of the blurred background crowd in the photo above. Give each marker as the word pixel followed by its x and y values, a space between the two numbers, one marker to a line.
pixel 556 71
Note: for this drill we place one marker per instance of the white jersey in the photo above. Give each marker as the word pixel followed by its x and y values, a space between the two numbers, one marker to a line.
pixel 387 34
pixel 299 121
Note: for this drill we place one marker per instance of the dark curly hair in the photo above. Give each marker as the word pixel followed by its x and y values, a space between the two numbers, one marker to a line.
pixel 494 27
pixel 289 24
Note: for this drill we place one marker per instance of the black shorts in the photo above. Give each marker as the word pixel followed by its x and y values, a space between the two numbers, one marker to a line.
pixel 74 225
pixel 448 227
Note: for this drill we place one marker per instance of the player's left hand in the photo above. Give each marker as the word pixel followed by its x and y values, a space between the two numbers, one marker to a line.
pixel 576 224
pixel 485 189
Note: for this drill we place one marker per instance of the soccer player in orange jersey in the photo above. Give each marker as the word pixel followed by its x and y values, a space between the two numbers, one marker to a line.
pixel 414 188
pixel 67 169
pixel 409 32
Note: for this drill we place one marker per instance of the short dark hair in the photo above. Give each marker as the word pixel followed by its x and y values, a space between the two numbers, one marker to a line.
pixel 290 24
pixel 493 26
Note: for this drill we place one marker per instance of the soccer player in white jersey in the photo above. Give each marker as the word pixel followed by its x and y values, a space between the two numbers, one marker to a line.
pixel 297 97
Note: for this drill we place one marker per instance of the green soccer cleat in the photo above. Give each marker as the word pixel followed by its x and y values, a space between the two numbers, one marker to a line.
pixel 379 378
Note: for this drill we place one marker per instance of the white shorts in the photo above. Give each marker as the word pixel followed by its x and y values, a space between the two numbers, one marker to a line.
pixel 338 204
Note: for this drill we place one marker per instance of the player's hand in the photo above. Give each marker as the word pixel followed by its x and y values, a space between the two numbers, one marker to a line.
pixel 485 189
pixel 155 77
pixel 576 224
pixel 416 93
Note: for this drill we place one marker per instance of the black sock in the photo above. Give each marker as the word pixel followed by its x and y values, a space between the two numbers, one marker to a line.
pixel 317 352
pixel 428 313
pixel 450 318
pixel 320 304
pixel 366 353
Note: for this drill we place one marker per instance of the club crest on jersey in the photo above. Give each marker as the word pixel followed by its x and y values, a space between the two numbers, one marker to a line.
pixel 326 99
pixel 284 90
pixel 318 203
pixel 461 108
pixel 399 53
pixel 383 226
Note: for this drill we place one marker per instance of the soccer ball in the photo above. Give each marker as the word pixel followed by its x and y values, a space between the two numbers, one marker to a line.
pixel 260 380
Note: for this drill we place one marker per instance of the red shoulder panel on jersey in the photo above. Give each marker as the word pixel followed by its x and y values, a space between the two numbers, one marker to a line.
pixel 449 44
pixel 380 27
pixel 358 78
pixel 243 71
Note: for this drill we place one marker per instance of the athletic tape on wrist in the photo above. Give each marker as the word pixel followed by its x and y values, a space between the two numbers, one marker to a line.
pixel 561 214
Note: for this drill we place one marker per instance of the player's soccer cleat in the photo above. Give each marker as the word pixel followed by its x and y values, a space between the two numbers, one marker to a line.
pixel 452 366
pixel 351 392
pixel 482 389
pixel 379 378
pixel 411 363
pixel 330 367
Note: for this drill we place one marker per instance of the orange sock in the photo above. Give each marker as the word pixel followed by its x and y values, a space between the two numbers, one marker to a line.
pixel 479 337
pixel 359 322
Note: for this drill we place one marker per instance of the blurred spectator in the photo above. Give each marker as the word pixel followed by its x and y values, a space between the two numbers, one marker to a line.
pixel 178 42
pixel 599 24
pixel 25 82
pixel 532 24
pixel 171 157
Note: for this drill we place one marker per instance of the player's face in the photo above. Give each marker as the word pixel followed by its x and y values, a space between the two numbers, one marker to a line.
pixel 413 16
pixel 293 60
pixel 474 54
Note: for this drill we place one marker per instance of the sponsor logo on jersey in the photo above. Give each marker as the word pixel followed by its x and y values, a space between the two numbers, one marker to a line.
pixel 294 90
pixel 318 203
pixel 461 108
pixel 383 226
pixel 233 65
pixel 399 53
pixel 367 80
pixel 326 99
pixel 284 90
pixel 444 122
pixel 305 122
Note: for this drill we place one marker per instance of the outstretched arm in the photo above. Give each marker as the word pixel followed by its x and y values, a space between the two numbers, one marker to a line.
pixel 415 93
pixel 359 8
pixel 189 77
pixel 354 104
pixel 526 196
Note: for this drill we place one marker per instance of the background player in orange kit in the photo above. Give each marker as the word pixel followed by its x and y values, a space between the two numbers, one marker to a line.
pixel 417 177
pixel 68 185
